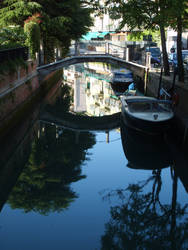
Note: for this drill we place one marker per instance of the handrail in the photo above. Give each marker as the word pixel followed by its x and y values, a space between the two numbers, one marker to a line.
pixel 148 100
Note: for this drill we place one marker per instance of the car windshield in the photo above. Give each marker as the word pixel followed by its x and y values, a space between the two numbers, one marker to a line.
pixel 121 75
pixel 154 51
pixel 174 56
pixel 185 56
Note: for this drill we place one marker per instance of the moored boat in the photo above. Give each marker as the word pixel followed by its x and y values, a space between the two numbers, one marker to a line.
pixel 121 79
pixel 147 114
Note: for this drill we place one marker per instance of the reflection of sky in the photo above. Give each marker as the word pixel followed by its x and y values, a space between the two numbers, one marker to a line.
pixel 82 225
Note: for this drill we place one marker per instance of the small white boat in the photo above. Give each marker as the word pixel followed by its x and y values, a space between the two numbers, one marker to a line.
pixel 147 114
pixel 121 79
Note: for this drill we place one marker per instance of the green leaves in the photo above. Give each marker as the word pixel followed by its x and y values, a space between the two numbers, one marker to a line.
pixel 16 11
pixel 12 36
pixel 32 31
pixel 61 21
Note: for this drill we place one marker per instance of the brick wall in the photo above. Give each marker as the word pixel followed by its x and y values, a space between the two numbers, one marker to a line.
pixel 16 88
pixel 9 79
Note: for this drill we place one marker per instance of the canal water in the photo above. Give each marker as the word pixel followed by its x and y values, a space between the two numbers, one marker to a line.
pixel 66 184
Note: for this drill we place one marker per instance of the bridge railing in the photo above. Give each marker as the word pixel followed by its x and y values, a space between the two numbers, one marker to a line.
pixel 129 52
pixel 98 47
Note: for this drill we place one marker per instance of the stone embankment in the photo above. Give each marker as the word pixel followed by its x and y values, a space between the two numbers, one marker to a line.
pixel 181 107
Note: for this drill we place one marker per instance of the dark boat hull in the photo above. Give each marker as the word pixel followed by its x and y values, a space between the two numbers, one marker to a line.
pixel 143 151
pixel 149 127
pixel 120 87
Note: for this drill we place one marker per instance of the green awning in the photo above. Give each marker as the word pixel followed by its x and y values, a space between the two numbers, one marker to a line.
pixel 90 35
pixel 95 35
pixel 103 34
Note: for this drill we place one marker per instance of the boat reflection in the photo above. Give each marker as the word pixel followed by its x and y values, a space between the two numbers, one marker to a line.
pixel 145 151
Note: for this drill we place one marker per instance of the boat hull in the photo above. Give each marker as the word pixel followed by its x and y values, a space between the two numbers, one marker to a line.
pixel 147 114
pixel 149 127
pixel 120 87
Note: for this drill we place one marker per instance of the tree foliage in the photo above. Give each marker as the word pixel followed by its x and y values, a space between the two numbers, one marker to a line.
pixel 61 21
pixel 12 37
pixel 148 14
pixel 32 31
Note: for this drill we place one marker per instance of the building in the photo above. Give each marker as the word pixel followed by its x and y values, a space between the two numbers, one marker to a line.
pixel 172 39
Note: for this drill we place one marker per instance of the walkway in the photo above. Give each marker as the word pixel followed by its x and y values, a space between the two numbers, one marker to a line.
pixel 138 69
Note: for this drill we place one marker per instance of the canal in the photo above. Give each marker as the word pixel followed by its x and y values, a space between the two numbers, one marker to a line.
pixel 89 187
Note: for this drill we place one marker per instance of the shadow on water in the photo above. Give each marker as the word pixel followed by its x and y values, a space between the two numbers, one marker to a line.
pixel 141 220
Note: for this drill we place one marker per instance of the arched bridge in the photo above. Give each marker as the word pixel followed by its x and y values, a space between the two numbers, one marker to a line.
pixel 82 123
pixel 137 69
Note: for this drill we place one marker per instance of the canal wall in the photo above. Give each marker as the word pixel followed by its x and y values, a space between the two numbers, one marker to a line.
pixel 20 90
pixel 181 107
pixel 15 147
pixel 15 87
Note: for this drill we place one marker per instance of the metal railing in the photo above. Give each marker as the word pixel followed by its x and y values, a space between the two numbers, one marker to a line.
pixel 98 47
pixel 130 51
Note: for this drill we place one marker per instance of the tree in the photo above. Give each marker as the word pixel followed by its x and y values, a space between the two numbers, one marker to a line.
pixel 61 21
pixel 12 37
pixel 178 15
pixel 146 14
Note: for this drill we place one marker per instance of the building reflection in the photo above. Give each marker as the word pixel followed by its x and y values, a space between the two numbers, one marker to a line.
pixel 92 92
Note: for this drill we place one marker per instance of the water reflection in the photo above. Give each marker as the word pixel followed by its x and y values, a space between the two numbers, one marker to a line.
pixel 44 184
pixel 145 151
pixel 93 94
pixel 52 163
pixel 142 221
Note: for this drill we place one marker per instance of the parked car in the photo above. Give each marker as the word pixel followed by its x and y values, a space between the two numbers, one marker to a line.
pixel 155 54
pixel 173 60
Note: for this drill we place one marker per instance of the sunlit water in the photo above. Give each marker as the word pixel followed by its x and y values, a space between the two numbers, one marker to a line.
pixel 71 180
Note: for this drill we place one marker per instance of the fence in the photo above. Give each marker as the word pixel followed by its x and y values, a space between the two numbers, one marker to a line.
pixel 98 47
pixel 130 51
pixel 12 54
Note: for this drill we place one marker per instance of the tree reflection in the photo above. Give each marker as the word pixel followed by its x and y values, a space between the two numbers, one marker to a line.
pixel 62 102
pixel 54 163
pixel 142 222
